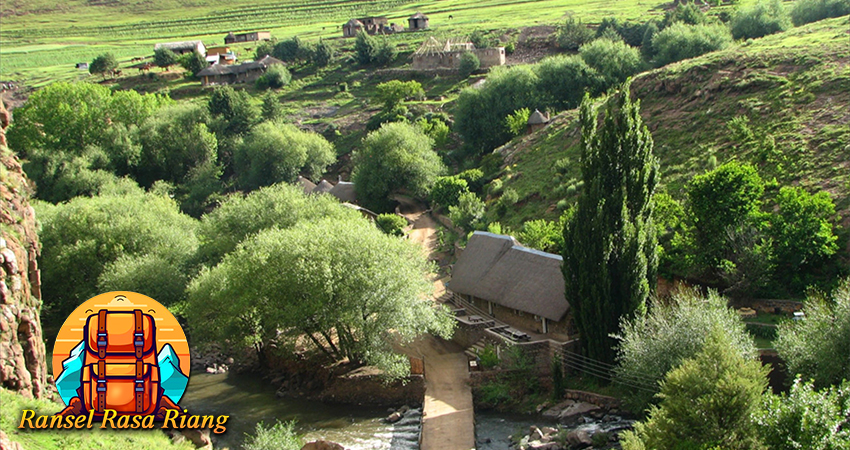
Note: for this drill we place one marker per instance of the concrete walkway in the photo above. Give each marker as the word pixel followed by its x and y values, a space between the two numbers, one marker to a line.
pixel 448 419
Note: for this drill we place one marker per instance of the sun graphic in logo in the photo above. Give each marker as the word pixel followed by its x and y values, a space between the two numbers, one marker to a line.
pixel 122 352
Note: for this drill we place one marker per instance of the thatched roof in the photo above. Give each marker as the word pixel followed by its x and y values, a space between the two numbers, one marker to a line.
pixel 305 184
pixel 175 46
pixel 218 69
pixel 419 15
pixel 323 187
pixel 537 118
pixel 353 23
pixel 344 191
pixel 496 268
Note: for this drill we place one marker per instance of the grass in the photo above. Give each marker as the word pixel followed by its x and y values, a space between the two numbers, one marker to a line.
pixel 11 405
pixel 51 37
pixel 792 87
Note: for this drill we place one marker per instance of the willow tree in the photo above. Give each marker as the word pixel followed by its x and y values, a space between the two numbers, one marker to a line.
pixel 610 256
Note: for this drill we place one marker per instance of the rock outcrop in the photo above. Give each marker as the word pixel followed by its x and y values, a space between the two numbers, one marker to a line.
pixel 22 355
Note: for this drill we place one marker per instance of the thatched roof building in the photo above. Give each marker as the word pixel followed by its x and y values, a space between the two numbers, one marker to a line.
pixel 495 268
pixel 241 73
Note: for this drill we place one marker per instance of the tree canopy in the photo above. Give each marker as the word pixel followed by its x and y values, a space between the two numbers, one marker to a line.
pixel 325 277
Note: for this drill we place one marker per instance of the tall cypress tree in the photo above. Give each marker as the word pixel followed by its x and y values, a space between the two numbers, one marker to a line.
pixel 610 259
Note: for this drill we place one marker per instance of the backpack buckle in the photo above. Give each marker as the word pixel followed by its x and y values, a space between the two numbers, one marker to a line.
pixel 140 385
pixel 101 339
pixel 139 339
pixel 101 385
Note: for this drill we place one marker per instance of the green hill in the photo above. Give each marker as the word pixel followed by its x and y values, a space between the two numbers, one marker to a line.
pixel 779 102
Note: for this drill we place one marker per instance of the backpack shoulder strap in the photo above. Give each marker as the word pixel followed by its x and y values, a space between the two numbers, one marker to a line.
pixel 138 343
pixel 101 362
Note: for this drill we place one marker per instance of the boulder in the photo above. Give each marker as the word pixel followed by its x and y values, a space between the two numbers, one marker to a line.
pixel 579 438
pixel 572 413
pixel 555 411
pixel 537 445
pixel 322 445
pixel 394 417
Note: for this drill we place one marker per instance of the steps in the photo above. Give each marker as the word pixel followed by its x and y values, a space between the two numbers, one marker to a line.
pixel 476 349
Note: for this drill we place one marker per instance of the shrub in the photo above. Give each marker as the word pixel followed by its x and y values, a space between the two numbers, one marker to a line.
pixel 673 331
pixel 436 129
pixel 541 235
pixel 468 212
pixel 480 40
pixel 193 62
pixel 164 57
pixel 385 52
pixel 392 224
pixel 447 191
pixel 686 13
pixel 802 229
pixel 469 63
pixel 615 61
pixel 291 50
pixel 103 63
pixel 680 41
pixel 365 48
pixel 810 346
pixel 280 436
pixel 508 199
pixel 265 48
pixel 807 11
pixel 572 34
pixel 646 48
pixel 563 80
pixel 517 122
pixel 473 177
pixel 323 54
pixel 765 17
pixel 393 92
pixel 488 357
pixel 275 77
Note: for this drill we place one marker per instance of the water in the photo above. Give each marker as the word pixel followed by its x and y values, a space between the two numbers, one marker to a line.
pixel 247 399
pixel 493 430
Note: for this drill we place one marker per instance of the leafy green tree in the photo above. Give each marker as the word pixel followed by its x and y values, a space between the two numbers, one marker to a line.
pixel 686 13
pixel 103 64
pixel 614 60
pixel 572 34
pixel 724 199
pixel 707 402
pixel 468 64
pixel 480 111
pixel 610 259
pixel 396 158
pixel 468 213
pixel 436 129
pixel 290 50
pixel 281 205
pixel 319 279
pixel 565 79
pixel 807 11
pixel 385 52
pixel 324 54
pixel 200 189
pixel 365 48
pixel 193 62
pixel 811 347
pixel 280 436
pixel 474 179
pixel 274 151
pixel 763 18
pixel 392 93
pixel 391 224
pixel 680 41
pixel 173 141
pixel 541 235
pixel 275 77
pixel 271 108
pixel 480 40
pixel 128 241
pixel 164 57
pixel 517 122
pixel 265 48
pixel 646 43
pixel 446 191
pixel 802 229
pixel 672 331
pixel 233 110
pixel 806 418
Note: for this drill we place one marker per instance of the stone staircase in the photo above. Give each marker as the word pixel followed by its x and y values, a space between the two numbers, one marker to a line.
pixel 476 349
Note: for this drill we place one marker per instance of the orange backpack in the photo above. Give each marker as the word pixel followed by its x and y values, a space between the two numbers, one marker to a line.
pixel 120 371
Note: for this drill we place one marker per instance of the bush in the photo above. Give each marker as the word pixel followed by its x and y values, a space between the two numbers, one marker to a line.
pixel 281 436
pixel 436 129
pixel 323 54
pixel 164 57
pixel 652 345
pixel 540 235
pixel 765 17
pixel 480 40
pixel 680 41
pixel 508 199
pixel 392 224
pixel 365 48
pixel 810 346
pixel 563 80
pixel 468 212
pixel 193 62
pixel 446 191
pixel 393 92
pixel 805 418
pixel 265 48
pixel 615 61
pixel 488 357
pixel 469 63
pixel 707 402
pixel 385 52
pixel 572 34
pixel 686 13
pixel 807 11
pixel 802 229
pixel 276 77
pixel 291 50
pixel 517 122
pixel 473 178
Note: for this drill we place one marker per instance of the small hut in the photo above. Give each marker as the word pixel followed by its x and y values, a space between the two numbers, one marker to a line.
pixel 305 184
pixel 344 191
pixel 537 120
pixel 417 22
pixel 351 28
pixel 323 187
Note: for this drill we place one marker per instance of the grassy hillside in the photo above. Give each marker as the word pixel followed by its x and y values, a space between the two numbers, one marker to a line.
pixel 41 40
pixel 779 102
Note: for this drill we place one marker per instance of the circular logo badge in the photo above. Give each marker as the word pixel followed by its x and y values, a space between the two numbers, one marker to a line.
pixel 121 351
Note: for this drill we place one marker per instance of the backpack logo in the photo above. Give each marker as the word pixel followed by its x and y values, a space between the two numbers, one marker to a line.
pixel 121 354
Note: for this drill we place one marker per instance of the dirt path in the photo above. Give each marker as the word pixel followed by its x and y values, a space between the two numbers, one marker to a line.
pixel 448 421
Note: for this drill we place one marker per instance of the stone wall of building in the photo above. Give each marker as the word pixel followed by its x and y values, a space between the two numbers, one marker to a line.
pixel 487 57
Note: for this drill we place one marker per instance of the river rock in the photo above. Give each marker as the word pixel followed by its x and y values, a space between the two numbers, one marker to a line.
pixel 555 411
pixel 549 430
pixel 538 445
pixel 322 445
pixel 572 413
pixel 394 417
pixel 579 438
